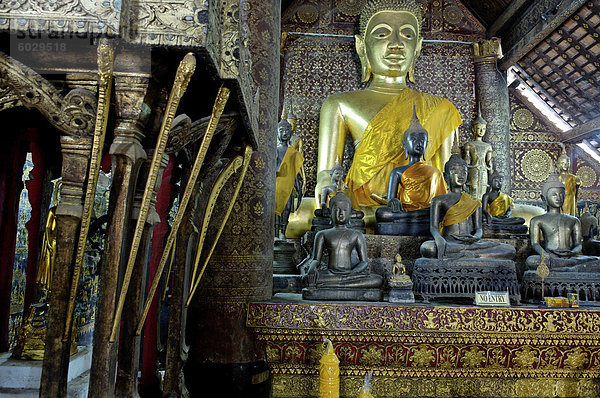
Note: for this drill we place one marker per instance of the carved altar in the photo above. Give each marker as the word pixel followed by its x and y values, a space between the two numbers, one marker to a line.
pixel 430 351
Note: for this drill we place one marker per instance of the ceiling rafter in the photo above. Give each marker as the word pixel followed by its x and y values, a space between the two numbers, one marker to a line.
pixel 582 132
pixel 546 24
pixel 509 12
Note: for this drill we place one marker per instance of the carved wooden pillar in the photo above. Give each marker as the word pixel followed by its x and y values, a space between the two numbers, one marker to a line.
pixel 223 350
pixel 129 353
pixel 492 94
pixel 76 152
pixel 127 155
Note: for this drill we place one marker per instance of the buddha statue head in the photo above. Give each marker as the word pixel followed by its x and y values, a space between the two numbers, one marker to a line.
pixel 563 163
pixel 389 40
pixel 341 209
pixel 284 130
pixel 415 138
pixel 337 173
pixel 496 180
pixel 455 171
pixel 479 125
pixel 553 192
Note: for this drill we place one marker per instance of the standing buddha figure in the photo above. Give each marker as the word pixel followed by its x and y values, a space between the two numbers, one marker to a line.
pixel 571 183
pixel 478 155
pixel 388 45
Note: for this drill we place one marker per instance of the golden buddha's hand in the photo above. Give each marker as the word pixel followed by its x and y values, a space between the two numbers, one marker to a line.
pixel 323 180
pixel 396 205
pixel 379 198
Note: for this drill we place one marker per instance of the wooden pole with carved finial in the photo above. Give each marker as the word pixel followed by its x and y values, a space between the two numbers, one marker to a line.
pixel 218 108
pixel 106 57
pixel 182 78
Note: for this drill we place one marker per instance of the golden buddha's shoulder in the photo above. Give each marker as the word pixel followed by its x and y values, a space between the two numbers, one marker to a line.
pixel 345 98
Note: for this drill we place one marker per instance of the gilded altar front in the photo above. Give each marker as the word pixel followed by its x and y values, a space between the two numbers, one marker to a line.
pixel 417 351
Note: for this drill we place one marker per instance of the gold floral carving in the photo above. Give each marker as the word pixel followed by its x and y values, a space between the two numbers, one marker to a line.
pixel 350 7
pixel 587 175
pixel 73 114
pixel 293 385
pixel 536 165
pixel 223 39
pixel 523 118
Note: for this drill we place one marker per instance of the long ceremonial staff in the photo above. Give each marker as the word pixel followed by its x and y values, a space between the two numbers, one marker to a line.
pixel 247 156
pixel 225 175
pixel 106 57
pixel 182 78
pixel 218 108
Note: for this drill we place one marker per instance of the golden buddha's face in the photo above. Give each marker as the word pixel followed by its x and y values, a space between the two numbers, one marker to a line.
pixel 391 43
pixel 479 130
pixel 563 163
pixel 555 197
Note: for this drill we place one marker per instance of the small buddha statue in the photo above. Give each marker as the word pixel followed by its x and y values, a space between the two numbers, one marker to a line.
pixel 322 219
pixel 411 188
pixel 388 45
pixel 455 222
pixel 561 233
pixel 342 279
pixel 497 207
pixel 589 229
pixel 288 186
pixel 571 183
pixel 478 155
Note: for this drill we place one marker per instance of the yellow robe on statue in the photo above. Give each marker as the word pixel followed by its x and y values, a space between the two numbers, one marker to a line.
pixel 570 205
pixel 460 211
pixel 419 184
pixel 380 148
pixel 286 176
pixel 500 205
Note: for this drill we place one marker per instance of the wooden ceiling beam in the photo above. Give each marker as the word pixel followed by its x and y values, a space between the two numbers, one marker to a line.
pixel 502 20
pixel 547 23
pixel 581 132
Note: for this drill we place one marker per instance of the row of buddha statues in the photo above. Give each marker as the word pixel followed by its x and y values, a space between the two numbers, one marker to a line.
pixel 407 169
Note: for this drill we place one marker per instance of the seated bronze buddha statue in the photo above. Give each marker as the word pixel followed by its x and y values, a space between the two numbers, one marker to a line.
pixel 410 188
pixel 497 208
pixel 561 233
pixel 457 262
pixel 343 279
pixel 455 222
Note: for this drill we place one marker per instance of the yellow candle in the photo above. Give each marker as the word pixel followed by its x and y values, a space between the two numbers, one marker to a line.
pixel 329 374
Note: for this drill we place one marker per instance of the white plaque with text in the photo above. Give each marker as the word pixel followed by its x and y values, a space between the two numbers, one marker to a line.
pixel 486 298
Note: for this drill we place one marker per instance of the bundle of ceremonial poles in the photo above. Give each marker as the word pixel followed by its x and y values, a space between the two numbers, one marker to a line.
pixel 184 73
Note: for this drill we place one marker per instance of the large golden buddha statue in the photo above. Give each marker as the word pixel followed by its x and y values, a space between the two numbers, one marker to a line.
pixel 375 118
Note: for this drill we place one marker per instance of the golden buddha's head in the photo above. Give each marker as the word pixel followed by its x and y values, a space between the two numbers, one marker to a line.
pixel 390 39
pixel 479 125
pixel 563 163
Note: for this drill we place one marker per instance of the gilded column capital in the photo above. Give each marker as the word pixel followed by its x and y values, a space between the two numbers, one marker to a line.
pixel 75 156
pixel 489 50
